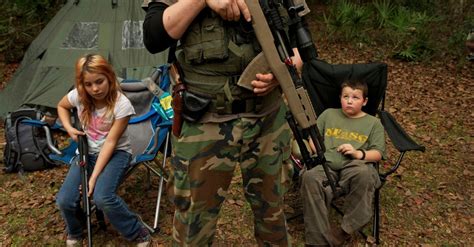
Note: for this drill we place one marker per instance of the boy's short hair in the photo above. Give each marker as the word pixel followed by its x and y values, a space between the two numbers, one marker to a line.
pixel 357 85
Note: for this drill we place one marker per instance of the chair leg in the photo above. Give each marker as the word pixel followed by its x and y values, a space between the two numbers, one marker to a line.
pixel 160 188
pixel 376 224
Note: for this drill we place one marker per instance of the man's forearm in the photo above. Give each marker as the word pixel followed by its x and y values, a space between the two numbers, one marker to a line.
pixel 178 17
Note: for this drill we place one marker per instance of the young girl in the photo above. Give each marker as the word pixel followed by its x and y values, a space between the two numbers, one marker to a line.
pixel 104 113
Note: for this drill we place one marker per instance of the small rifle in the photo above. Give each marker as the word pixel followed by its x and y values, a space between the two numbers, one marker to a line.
pixel 83 164
pixel 277 52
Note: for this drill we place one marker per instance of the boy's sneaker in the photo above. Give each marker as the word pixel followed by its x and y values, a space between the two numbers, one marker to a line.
pixel 144 238
pixel 73 242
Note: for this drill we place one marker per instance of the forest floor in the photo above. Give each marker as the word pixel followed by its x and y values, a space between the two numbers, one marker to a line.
pixel 428 202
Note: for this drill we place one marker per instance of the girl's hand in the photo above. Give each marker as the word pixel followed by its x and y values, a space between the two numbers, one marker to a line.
pixel 73 133
pixel 91 186
pixel 264 84
pixel 229 10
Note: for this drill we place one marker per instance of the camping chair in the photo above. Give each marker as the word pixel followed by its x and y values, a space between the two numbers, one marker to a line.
pixel 323 82
pixel 149 130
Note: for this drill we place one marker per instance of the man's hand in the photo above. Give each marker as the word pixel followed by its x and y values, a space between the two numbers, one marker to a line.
pixel 264 84
pixel 230 10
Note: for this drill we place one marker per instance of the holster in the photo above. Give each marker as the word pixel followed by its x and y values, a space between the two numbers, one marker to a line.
pixel 178 108
pixel 178 90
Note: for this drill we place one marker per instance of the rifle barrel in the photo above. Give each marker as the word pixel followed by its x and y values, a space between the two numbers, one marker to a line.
pixel 83 163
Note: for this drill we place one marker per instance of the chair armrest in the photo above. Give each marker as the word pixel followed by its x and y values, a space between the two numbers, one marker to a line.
pixel 67 154
pixel 34 123
pixel 400 139
pixel 40 123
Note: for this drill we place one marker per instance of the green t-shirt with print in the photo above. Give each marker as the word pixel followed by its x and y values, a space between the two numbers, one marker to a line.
pixel 365 133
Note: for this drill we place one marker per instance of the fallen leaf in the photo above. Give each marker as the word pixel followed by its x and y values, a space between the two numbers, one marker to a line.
pixel 468 173
pixel 418 201
pixel 240 202
pixel 16 194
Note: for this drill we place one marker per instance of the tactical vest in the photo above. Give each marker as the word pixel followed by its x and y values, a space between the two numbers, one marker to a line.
pixel 214 54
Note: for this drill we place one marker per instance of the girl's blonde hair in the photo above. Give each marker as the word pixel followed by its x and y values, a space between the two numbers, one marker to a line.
pixel 95 64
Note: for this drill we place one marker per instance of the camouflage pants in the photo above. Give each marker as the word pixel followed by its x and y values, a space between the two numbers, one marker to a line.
pixel 203 161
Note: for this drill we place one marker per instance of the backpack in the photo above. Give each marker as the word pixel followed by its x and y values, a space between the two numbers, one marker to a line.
pixel 26 146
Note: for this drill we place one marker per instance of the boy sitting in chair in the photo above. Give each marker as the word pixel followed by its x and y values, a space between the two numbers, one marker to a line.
pixel 354 140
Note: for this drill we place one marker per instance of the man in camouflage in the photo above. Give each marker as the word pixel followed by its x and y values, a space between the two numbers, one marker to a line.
pixel 259 145
pixel 239 126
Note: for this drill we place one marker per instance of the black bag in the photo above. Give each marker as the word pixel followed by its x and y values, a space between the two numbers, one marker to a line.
pixel 26 146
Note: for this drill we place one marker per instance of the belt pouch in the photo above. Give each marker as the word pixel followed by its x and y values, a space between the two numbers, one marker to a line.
pixel 194 106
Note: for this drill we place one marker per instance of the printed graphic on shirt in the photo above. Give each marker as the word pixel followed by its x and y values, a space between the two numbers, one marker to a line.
pixel 338 133
pixel 98 129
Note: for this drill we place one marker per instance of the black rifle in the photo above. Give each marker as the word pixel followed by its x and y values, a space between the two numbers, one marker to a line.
pixel 83 163
pixel 274 40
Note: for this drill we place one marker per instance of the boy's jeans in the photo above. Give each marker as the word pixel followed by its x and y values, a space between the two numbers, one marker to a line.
pixel 104 196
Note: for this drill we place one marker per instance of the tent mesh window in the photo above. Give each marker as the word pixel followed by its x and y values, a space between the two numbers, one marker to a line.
pixel 132 35
pixel 83 35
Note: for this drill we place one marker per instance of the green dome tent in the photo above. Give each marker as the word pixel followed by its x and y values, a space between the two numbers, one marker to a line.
pixel 111 28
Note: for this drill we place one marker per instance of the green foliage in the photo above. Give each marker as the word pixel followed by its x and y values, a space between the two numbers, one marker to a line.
pixel 20 22
pixel 419 5
pixel 416 50
pixel 403 28
pixel 347 19
pixel 457 38
pixel 384 13
pixel 410 34
pixel 338 15
pixel 401 21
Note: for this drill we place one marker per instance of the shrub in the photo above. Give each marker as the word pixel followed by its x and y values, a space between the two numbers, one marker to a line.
pixel 384 12
pixel 347 20
pixel 405 30
pixel 410 34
